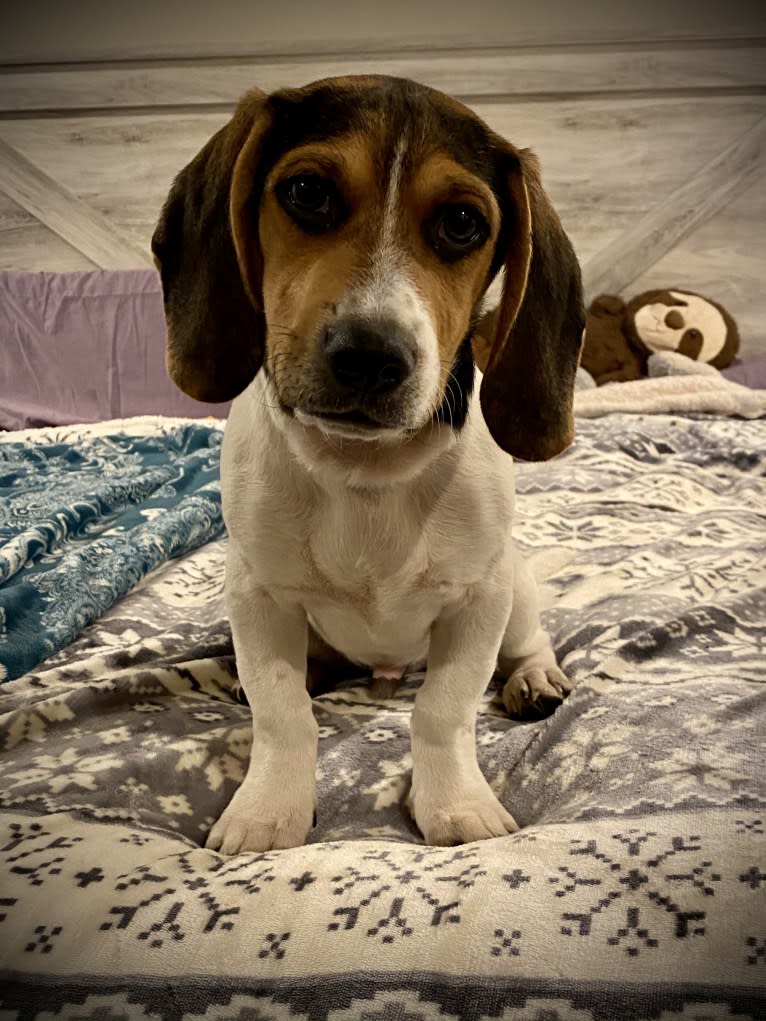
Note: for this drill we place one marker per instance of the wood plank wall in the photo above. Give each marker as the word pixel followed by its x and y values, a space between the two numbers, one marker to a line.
pixel 653 153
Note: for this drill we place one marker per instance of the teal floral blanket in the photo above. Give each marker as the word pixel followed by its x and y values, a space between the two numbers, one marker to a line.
pixel 86 514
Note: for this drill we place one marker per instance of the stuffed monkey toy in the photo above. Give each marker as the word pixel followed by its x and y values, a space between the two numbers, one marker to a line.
pixel 620 338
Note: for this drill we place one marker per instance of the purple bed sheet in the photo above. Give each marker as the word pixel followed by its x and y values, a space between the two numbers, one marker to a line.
pixel 89 346
pixel 85 347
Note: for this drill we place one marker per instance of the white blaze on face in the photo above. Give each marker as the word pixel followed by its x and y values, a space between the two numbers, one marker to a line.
pixel 387 292
pixel 696 314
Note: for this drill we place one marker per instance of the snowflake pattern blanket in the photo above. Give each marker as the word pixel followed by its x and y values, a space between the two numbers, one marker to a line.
pixel 637 886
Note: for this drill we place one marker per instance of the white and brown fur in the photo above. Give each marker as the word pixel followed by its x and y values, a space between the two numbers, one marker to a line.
pixel 368 495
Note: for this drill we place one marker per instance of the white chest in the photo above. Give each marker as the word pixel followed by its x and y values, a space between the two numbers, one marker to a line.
pixel 374 579
pixel 373 568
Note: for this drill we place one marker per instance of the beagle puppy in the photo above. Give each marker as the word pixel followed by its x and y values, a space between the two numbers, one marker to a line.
pixel 324 260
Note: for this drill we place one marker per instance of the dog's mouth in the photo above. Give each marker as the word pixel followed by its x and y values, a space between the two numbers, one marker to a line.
pixel 352 423
pixel 353 418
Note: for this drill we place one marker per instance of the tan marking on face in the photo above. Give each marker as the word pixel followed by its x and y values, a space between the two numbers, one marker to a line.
pixel 377 262
pixel 451 289
pixel 306 275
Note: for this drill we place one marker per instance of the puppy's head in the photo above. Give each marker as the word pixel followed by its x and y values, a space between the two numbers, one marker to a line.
pixel 343 235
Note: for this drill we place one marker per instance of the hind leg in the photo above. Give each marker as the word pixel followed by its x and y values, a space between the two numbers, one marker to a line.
pixel 535 684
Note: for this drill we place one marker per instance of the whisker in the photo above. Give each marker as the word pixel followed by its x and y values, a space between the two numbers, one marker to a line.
pixel 449 396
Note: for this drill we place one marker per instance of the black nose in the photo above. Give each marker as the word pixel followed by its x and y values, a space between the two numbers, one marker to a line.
pixel 369 357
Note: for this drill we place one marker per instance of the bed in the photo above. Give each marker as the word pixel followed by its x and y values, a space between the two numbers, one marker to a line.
pixel 636 887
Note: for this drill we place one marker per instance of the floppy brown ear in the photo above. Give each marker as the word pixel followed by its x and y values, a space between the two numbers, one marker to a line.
pixel 215 321
pixel 527 392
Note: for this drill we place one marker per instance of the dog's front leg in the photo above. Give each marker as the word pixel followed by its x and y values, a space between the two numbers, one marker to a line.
pixel 274 805
pixel 450 799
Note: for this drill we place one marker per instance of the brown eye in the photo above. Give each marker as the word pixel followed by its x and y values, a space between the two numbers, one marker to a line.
pixel 457 230
pixel 312 201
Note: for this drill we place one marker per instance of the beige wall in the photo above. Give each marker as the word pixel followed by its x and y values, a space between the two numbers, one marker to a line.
pixel 64 30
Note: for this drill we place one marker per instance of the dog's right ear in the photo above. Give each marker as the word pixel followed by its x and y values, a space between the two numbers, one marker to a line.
pixel 211 284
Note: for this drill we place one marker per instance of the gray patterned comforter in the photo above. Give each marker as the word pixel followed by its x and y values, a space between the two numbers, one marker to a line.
pixel 636 888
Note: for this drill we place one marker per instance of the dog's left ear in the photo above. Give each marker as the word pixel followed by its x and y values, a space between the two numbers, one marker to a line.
pixel 527 392
pixel 206 249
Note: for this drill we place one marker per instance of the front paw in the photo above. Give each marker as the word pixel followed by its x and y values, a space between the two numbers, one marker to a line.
pixel 255 820
pixel 473 814
pixel 535 691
